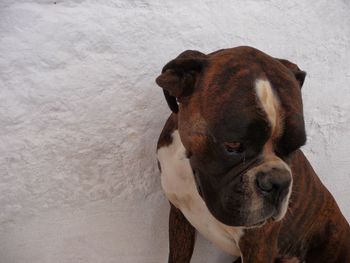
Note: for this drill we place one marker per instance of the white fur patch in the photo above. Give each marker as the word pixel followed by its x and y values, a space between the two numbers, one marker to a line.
pixel 179 186
pixel 270 104
pixel 268 100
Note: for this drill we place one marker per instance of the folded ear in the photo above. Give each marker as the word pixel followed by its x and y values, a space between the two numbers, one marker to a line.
pixel 179 76
pixel 298 73
pixel 294 135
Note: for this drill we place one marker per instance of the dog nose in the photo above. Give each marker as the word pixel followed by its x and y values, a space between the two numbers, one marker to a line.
pixel 274 183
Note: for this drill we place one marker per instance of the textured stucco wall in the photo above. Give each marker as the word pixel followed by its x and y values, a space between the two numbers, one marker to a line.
pixel 80 114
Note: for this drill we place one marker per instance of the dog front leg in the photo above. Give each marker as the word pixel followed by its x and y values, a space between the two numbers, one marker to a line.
pixel 181 237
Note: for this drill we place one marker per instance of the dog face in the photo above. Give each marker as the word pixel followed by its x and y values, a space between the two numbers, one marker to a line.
pixel 239 118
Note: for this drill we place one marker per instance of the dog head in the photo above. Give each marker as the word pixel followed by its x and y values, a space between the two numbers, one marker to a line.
pixel 239 117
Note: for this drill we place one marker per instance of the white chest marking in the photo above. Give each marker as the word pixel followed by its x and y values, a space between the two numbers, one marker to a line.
pixel 179 187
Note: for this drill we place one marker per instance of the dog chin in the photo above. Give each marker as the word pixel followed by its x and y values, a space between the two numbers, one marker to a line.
pixel 245 221
pixel 277 216
pixel 257 222
pixel 251 224
pixel 257 225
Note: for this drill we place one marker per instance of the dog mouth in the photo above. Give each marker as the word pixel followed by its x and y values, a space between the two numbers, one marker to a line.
pixel 262 222
pixel 238 215
pixel 258 224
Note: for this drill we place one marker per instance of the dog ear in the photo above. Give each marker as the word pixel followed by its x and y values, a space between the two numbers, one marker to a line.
pixel 294 134
pixel 179 76
pixel 298 73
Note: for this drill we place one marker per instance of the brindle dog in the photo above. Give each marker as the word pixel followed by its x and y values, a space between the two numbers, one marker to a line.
pixel 231 164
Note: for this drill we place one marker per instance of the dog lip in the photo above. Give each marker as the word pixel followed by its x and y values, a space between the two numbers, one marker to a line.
pixel 276 215
pixel 259 224
pixel 267 220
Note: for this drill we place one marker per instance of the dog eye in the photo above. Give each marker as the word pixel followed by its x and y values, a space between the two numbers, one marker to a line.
pixel 233 147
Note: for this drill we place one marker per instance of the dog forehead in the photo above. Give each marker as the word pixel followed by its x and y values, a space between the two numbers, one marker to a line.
pixel 227 117
pixel 228 100
pixel 236 93
pixel 228 82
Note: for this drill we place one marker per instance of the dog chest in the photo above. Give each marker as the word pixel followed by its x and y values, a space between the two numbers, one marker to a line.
pixel 179 186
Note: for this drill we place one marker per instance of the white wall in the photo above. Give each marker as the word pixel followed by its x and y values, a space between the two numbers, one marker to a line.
pixel 80 114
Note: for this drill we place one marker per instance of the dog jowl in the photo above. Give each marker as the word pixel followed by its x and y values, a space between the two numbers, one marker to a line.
pixel 230 160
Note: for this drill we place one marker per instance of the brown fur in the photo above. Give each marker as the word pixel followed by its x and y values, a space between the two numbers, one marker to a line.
pixel 313 230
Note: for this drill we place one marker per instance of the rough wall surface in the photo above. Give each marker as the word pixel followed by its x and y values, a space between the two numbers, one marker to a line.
pixel 80 114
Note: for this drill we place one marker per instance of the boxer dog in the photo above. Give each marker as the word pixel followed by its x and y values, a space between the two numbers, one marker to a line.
pixel 231 166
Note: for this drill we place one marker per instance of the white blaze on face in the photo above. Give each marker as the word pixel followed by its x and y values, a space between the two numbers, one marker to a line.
pixel 270 104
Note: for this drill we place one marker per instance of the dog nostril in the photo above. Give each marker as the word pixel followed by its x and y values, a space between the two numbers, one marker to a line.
pixel 264 183
pixel 273 182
